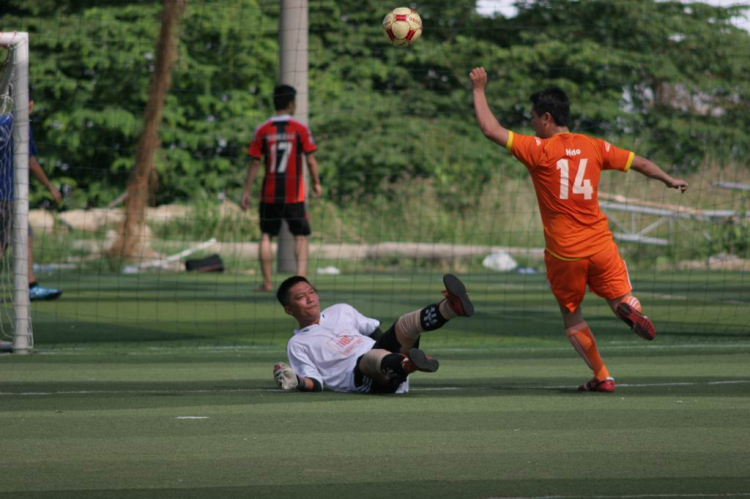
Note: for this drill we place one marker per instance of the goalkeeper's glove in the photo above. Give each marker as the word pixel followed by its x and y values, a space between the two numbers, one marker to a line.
pixel 285 377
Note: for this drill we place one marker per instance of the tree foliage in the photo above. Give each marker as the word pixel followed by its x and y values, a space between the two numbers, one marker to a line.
pixel 667 79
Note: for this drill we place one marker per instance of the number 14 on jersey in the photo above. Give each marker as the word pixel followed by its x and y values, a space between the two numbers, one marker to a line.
pixel 580 186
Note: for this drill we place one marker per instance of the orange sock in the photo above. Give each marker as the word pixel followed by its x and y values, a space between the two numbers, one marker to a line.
pixel 583 341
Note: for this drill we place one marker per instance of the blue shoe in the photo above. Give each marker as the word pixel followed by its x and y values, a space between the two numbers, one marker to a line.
pixel 38 293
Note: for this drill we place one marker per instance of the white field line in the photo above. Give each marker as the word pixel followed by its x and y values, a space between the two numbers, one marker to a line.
pixel 139 392
pixel 685 298
pixel 559 387
pixel 646 385
pixel 661 295
pixel 633 496
pixel 614 345
pixel 276 390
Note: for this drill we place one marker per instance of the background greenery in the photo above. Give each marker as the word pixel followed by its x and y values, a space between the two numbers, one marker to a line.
pixel 670 80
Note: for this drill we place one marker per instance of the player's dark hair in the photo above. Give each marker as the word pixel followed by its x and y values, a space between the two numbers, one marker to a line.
pixel 282 294
pixel 283 95
pixel 554 101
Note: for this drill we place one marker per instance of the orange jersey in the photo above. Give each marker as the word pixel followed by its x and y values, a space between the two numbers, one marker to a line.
pixel 565 169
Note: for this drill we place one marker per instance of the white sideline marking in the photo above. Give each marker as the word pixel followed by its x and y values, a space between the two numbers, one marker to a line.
pixel 440 388
pixel 633 496
pixel 729 382
pixel 662 296
pixel 222 350
pixel 191 417
pixel 612 345
pixel 141 392
pixel 425 389
pixel 559 387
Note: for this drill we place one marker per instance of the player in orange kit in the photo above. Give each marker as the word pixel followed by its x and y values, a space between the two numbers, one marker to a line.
pixel 565 168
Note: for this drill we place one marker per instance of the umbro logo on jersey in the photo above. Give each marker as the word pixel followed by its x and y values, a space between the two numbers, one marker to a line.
pixel 276 137
pixel 430 318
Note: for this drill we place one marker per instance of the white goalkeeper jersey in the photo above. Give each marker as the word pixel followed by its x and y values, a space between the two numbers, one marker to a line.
pixel 328 351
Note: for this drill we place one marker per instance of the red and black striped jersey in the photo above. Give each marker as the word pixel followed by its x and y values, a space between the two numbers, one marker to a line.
pixel 282 141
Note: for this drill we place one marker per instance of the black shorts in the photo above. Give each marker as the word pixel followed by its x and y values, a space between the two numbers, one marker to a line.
pixel 387 341
pixel 271 215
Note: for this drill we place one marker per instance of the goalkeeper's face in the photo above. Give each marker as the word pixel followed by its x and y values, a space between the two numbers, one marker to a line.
pixel 304 304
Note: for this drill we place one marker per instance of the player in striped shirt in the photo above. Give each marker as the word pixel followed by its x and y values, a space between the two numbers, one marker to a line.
pixel 281 141
pixel 580 251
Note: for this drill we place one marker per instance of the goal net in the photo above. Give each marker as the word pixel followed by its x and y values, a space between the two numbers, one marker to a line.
pixel 411 187
pixel 15 326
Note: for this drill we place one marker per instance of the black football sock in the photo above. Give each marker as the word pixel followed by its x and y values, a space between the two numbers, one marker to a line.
pixel 391 366
pixel 430 318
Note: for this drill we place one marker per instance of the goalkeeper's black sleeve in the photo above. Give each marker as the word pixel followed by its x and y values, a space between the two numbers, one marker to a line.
pixel 302 384
pixel 375 335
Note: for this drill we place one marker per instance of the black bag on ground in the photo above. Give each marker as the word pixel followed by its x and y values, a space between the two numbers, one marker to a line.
pixel 211 263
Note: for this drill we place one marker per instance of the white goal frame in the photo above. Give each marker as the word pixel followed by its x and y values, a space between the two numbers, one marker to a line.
pixel 18 65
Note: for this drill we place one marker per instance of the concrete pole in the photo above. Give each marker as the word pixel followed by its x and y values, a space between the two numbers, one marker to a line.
pixel 293 32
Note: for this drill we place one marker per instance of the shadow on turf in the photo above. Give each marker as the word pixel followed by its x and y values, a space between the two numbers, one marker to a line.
pixel 642 387
pixel 104 396
pixel 22 396
pixel 64 332
pixel 135 335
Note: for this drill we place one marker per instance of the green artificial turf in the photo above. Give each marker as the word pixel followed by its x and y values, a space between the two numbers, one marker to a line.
pixel 161 386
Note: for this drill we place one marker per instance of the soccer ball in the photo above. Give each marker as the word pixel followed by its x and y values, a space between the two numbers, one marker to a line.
pixel 402 27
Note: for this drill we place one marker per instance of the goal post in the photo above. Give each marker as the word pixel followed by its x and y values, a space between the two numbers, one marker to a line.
pixel 293 70
pixel 15 101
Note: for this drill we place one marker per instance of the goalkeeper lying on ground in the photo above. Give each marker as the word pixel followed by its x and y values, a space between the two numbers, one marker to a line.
pixel 343 350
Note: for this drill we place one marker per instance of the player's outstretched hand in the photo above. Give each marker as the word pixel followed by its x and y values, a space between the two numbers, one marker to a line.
pixel 285 377
pixel 55 194
pixel 678 183
pixel 478 78
pixel 245 203
pixel 317 190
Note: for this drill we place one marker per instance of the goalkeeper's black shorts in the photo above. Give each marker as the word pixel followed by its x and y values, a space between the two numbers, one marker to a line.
pixel 388 341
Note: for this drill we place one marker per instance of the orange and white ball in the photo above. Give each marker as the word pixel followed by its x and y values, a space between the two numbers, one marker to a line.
pixel 402 27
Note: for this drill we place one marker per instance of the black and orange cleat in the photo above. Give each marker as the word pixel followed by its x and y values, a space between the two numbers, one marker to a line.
pixel 638 322
pixel 417 360
pixel 455 293
pixel 606 385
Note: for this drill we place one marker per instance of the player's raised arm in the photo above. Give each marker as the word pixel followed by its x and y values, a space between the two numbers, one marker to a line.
pixel 651 170
pixel 491 128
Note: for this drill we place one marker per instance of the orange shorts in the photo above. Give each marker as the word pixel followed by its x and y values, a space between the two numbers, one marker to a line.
pixel 605 274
